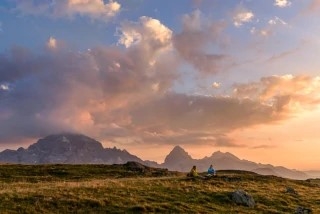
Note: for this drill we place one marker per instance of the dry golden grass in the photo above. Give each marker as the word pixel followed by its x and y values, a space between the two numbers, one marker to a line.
pixel 53 193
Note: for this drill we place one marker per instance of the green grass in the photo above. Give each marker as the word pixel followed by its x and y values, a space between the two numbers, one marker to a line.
pixel 115 189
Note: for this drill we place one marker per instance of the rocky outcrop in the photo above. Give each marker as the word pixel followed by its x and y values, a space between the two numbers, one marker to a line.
pixel 240 197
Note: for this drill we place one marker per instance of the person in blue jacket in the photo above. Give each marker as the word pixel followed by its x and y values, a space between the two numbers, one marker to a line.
pixel 211 171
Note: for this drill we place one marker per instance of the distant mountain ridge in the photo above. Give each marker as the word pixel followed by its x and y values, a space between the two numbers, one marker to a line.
pixel 184 162
pixel 68 148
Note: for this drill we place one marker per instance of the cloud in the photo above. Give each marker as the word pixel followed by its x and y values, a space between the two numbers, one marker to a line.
pixel 88 92
pixel 124 94
pixel 52 43
pixel 282 3
pixel 177 114
pixel 4 87
pixel 263 146
pixel 197 34
pixel 241 16
pixel 271 26
pixel 95 9
pixel 287 94
pixel 147 31
pixel 114 94
pixel 216 85
pixel 276 20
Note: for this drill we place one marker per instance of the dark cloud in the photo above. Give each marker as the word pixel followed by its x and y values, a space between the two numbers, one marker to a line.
pixel 180 111
pixel 186 119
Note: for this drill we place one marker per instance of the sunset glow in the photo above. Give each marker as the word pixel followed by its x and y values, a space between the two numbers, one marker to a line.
pixel 146 75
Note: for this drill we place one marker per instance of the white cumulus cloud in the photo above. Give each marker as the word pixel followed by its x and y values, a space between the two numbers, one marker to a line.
pixel 148 31
pixel 216 85
pixel 282 3
pixel 94 8
pixel 241 17
pixel 52 43
pixel 4 87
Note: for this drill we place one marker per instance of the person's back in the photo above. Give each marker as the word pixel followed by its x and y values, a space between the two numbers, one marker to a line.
pixel 211 171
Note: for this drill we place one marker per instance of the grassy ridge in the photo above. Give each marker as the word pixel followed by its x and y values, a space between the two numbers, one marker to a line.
pixel 115 189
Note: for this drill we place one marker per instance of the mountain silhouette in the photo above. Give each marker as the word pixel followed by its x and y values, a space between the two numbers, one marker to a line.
pixel 179 160
pixel 69 148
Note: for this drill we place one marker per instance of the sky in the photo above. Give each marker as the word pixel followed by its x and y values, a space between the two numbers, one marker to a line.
pixel 147 75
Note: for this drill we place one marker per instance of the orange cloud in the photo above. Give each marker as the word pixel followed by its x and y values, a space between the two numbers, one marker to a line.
pixel 95 9
pixel 288 92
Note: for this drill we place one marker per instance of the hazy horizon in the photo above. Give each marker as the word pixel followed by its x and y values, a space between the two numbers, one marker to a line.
pixel 144 75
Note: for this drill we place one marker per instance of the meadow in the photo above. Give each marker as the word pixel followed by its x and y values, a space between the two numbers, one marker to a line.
pixel 123 189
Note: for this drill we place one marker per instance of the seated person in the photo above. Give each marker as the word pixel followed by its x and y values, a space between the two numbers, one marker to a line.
pixel 193 172
pixel 211 171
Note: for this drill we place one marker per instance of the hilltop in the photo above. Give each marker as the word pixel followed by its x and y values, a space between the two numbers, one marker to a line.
pixel 135 188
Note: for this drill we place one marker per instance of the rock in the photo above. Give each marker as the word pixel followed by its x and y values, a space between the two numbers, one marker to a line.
pixel 290 190
pixel 240 197
pixel 303 210
pixel 135 166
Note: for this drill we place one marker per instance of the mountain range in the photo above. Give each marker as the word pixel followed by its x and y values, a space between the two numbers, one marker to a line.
pixel 70 148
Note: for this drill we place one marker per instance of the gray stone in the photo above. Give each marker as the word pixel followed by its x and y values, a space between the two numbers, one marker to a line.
pixel 290 190
pixel 240 197
pixel 303 210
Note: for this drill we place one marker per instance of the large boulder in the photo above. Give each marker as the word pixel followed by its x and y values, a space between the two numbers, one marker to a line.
pixel 135 166
pixel 240 197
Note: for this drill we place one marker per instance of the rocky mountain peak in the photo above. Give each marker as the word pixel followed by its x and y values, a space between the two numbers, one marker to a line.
pixel 65 143
pixel 66 148
pixel 178 154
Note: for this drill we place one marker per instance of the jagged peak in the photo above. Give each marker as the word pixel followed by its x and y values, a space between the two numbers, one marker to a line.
pixel 177 154
pixel 178 148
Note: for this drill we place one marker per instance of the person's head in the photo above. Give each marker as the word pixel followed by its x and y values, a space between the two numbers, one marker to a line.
pixel 211 166
pixel 194 167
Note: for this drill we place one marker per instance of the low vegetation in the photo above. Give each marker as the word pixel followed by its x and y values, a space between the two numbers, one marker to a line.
pixel 123 188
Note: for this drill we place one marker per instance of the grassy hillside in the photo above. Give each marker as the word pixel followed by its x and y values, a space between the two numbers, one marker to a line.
pixel 123 188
